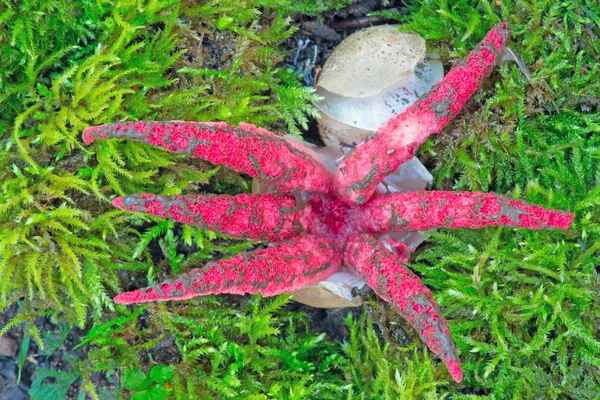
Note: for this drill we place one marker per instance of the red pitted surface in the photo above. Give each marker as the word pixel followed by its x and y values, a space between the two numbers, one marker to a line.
pixel 398 285
pixel 327 228
pixel 436 209
pixel 399 138
pixel 265 217
pixel 332 218
pixel 257 152
pixel 275 270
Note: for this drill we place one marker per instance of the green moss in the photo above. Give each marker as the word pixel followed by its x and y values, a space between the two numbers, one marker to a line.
pixel 60 243
pixel 100 62
pixel 382 369
pixel 256 350
pixel 523 306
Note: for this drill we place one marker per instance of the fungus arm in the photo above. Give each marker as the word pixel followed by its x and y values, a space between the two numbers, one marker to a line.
pixel 286 267
pixel 395 283
pixel 399 138
pixel 288 166
pixel 438 209
pixel 246 216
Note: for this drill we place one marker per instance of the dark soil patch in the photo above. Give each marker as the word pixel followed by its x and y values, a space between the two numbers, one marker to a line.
pixel 59 354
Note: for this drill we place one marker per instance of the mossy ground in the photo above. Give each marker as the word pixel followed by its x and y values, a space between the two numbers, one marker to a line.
pixel 523 306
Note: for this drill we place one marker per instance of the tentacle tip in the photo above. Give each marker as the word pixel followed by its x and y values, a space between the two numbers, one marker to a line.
pixel 549 219
pixel 127 298
pixel 503 28
pixel 119 202
pixel 453 366
pixel 457 375
pixel 89 135
pixel 565 221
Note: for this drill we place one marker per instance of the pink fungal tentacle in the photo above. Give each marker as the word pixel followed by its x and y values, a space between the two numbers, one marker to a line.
pixel 283 164
pixel 439 209
pixel 265 217
pixel 283 268
pixel 398 139
pixel 397 284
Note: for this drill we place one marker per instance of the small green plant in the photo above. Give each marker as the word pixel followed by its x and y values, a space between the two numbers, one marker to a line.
pixel 23 349
pixel 151 387
pixel 51 383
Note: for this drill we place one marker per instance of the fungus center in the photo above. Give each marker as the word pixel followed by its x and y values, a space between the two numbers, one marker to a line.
pixel 335 219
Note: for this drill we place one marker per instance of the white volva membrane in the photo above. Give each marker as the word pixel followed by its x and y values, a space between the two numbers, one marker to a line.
pixel 371 76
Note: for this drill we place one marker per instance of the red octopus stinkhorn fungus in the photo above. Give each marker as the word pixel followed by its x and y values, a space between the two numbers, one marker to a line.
pixel 320 222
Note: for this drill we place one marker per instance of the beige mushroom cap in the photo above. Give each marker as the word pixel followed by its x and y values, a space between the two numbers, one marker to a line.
pixel 370 60
pixel 371 76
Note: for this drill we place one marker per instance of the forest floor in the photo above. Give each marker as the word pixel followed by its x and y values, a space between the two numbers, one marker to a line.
pixel 308 48
pixel 523 306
